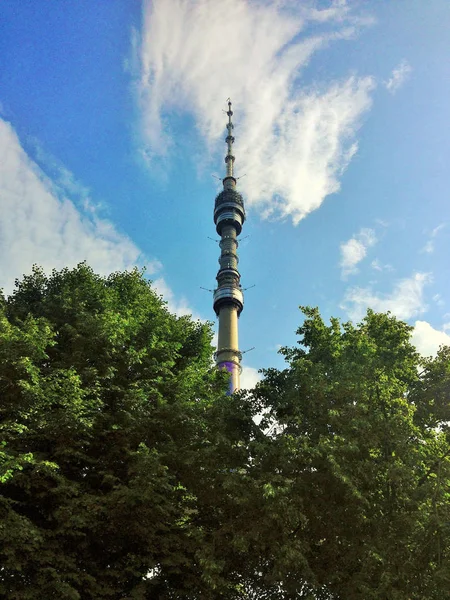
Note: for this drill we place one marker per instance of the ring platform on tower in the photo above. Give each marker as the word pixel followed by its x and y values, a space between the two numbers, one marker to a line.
pixel 229 210
pixel 226 296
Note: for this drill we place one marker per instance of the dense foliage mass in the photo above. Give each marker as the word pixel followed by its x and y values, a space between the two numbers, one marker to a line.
pixel 126 471
pixel 361 467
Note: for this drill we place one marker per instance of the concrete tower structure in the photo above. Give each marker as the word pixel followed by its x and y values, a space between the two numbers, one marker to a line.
pixel 229 216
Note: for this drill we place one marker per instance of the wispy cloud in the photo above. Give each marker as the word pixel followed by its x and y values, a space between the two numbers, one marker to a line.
pixel 427 339
pixel 378 266
pixel 293 142
pixel 405 301
pixel 355 249
pixel 437 229
pixel 439 300
pixel 430 245
pixel 398 77
pixel 39 223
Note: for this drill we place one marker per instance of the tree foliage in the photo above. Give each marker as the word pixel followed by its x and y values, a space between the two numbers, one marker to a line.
pixel 127 472
pixel 361 454
pixel 117 439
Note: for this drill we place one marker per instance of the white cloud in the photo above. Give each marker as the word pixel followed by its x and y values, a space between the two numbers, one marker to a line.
pixel 405 301
pixel 40 224
pixel 293 142
pixel 398 77
pixel 355 249
pixel 427 339
pixel 249 377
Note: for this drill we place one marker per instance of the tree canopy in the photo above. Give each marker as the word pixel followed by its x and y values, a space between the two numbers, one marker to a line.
pixel 362 457
pixel 127 472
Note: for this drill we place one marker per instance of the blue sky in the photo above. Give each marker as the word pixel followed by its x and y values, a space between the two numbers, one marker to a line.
pixel 112 127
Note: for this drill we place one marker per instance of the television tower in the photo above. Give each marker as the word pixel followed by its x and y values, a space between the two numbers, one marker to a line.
pixel 229 216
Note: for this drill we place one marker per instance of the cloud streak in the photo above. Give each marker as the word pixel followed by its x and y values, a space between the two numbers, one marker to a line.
pixel 430 245
pixel 40 224
pixel 293 142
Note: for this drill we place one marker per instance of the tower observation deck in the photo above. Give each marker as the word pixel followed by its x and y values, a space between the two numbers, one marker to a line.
pixel 229 216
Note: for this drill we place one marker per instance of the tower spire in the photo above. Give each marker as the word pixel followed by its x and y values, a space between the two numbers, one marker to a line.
pixel 229 158
pixel 229 216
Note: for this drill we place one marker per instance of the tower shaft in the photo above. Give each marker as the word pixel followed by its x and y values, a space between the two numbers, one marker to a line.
pixel 229 216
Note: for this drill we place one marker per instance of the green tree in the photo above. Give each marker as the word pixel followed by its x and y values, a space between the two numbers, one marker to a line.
pixel 360 459
pixel 117 443
pixel 127 472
